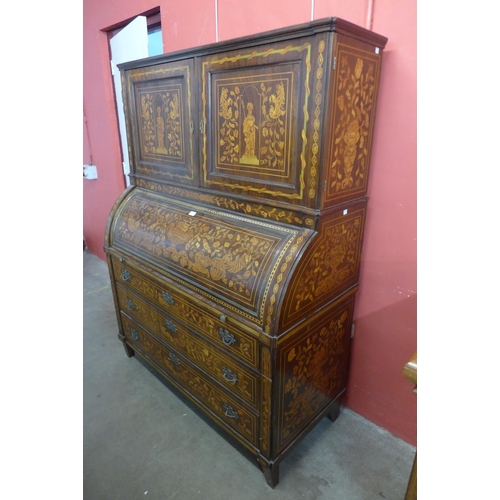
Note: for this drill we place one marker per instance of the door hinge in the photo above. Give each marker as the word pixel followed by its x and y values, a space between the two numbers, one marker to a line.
pixel 334 62
pixel 202 126
pixel 324 187
pixel 191 127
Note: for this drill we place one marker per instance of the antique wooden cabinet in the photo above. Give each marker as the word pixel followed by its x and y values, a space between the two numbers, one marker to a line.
pixel 234 254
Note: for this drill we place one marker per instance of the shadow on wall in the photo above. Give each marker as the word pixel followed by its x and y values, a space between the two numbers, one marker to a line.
pixel 383 342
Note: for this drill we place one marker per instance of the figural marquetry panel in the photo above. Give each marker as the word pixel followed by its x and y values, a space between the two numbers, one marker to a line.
pixel 256 105
pixel 356 87
pixel 254 124
pixel 162 135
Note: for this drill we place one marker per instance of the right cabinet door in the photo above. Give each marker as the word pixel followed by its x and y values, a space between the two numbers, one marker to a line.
pixel 262 107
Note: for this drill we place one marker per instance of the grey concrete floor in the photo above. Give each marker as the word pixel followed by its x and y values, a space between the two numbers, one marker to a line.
pixel 141 440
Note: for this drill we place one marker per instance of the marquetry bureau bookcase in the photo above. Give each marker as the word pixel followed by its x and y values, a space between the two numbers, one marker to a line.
pixel 234 253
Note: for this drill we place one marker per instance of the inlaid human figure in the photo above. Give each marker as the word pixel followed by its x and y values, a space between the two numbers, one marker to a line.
pixel 160 132
pixel 249 131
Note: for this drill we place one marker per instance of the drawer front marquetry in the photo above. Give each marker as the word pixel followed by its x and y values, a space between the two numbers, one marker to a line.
pixel 236 378
pixel 227 408
pixel 209 324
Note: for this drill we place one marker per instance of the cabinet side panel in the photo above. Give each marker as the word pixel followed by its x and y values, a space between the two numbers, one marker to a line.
pixel 312 366
pixel 330 265
pixel 352 108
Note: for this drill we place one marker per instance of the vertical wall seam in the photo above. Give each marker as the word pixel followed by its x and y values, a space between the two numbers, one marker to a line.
pixel 216 20
pixel 369 15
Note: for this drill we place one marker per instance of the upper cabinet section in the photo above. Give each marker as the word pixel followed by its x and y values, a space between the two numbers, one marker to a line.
pixel 263 110
pixel 160 109
pixel 279 121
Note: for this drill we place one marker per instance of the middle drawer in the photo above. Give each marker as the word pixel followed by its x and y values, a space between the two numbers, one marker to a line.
pixel 239 379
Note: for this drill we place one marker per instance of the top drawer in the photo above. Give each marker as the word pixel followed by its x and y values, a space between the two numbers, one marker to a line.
pixel 211 324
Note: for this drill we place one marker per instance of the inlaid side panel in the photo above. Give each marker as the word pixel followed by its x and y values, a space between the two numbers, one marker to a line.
pixel 312 364
pixel 353 111
pixel 329 266
pixel 161 127
pixel 262 107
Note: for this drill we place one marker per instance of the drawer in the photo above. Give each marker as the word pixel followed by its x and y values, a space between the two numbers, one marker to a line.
pixel 233 413
pixel 235 377
pixel 202 320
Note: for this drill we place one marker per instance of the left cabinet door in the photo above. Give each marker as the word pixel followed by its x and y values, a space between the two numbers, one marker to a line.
pixel 159 107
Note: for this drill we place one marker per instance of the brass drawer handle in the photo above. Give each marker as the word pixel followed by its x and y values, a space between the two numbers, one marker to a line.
pixel 131 305
pixel 125 275
pixel 170 326
pixel 226 337
pixel 230 412
pixel 174 359
pixel 135 334
pixel 167 298
pixel 229 376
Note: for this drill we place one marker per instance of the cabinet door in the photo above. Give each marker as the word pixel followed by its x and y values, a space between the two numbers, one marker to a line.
pixel 160 121
pixel 258 106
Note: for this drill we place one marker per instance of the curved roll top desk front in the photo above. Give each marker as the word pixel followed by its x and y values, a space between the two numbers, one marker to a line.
pixel 234 255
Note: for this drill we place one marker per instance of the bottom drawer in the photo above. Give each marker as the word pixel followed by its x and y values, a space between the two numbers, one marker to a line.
pixel 231 412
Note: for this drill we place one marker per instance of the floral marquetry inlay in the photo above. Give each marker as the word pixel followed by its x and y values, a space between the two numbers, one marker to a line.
pixel 227 255
pixel 235 251
pixel 197 385
pixel 245 207
pixel 314 367
pixel 161 126
pixel 354 111
pixel 257 124
pixel 254 122
pixel 333 264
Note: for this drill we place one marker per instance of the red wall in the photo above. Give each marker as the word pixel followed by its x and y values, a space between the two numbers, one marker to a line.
pixel 385 318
